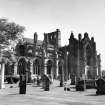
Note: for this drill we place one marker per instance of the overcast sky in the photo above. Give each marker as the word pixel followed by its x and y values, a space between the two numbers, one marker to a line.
pixel 42 16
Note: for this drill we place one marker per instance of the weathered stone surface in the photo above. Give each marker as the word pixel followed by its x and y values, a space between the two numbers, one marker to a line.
pixel 80 86
pixel 100 86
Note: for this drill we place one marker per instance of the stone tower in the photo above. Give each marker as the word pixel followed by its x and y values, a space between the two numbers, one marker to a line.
pixel 51 45
pixel 82 57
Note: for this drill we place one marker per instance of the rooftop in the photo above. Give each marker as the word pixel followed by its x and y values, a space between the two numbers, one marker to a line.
pixel 31 41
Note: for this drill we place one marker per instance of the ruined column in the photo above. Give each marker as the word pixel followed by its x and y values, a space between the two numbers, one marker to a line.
pixel 56 65
pixel 2 76
pixel 99 65
pixel 31 67
pixel 15 69
pixel 85 69
pixel 57 74
pixel 45 66
pixel 78 62
pixel 67 76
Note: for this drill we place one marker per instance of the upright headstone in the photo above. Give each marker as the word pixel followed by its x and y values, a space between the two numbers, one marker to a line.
pixel 22 72
pixel 22 84
pixel 100 86
pixel 47 83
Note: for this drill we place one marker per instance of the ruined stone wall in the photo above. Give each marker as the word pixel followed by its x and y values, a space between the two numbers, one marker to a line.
pixel 51 45
pixel 82 54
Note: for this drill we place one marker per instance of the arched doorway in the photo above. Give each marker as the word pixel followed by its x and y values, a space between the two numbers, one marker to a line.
pixel 49 67
pixel 60 71
pixel 89 76
pixel 88 55
pixel 60 68
pixel 36 67
pixel 22 66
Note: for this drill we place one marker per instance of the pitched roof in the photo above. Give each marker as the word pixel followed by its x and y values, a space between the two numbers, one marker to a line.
pixel 31 41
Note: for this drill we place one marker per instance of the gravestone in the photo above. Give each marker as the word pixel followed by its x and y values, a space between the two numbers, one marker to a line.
pixel 100 86
pixel 80 86
pixel 22 72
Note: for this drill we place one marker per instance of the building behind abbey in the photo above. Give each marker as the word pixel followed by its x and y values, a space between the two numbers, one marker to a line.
pixel 78 59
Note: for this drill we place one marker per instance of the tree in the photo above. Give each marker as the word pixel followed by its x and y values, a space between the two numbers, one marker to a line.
pixel 9 31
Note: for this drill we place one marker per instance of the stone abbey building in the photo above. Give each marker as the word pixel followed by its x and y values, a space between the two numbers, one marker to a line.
pixel 79 59
pixel 82 61
pixel 41 56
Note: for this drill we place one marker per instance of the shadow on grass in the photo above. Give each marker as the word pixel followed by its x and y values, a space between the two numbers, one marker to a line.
pixel 91 95
pixel 58 86
pixel 13 94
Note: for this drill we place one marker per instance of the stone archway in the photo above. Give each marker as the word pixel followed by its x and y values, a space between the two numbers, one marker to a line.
pixel 60 68
pixel 49 67
pixel 88 74
pixel 36 67
pixel 22 66
pixel 88 55
pixel 60 72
